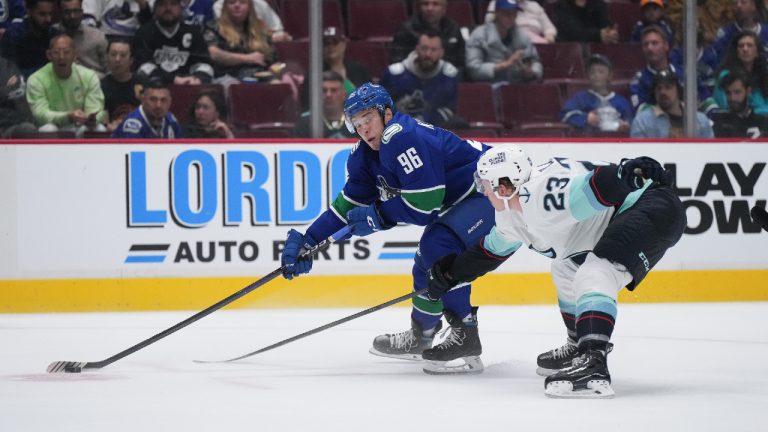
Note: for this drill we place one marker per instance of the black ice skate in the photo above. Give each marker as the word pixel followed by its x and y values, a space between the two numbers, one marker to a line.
pixel 461 344
pixel 588 377
pixel 406 345
pixel 553 361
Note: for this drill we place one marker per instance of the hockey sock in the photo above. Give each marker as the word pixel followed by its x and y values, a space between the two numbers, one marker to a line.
pixel 596 317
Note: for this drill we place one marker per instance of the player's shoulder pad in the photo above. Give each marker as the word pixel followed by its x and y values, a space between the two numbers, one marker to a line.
pixel 132 125
pixel 396 68
pixel 390 132
pixel 450 70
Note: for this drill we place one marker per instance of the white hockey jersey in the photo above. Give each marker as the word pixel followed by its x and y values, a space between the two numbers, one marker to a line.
pixel 561 216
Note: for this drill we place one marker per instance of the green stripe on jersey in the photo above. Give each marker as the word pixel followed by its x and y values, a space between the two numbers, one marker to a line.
pixel 428 307
pixel 424 201
pixel 342 205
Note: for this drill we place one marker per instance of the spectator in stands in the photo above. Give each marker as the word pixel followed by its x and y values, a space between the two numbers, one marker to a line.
pixel 121 87
pixel 265 13
pixel 430 14
pixel 169 49
pixel 712 15
pixel 424 86
pixel 598 107
pixel 500 52
pixel 152 119
pixel 15 116
pixel 746 56
pixel 207 117
pixel 334 58
pixel 707 62
pixel 652 13
pixel 665 119
pixel 26 42
pixel 90 42
pixel 64 95
pixel 746 19
pixel 656 52
pixel 333 110
pixel 584 21
pixel 117 18
pixel 199 13
pixel 532 19
pixel 10 11
pixel 739 120
pixel 239 45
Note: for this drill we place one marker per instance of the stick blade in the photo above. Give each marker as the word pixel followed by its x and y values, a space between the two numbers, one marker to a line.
pixel 66 367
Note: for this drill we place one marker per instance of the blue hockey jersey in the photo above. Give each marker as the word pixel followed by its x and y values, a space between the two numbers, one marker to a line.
pixel 136 125
pixel 11 10
pixel 576 109
pixel 420 171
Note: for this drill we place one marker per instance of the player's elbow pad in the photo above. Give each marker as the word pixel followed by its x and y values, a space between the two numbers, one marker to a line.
pixel 475 262
pixel 609 189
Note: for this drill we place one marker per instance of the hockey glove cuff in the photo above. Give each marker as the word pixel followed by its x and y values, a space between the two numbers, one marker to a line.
pixel 366 220
pixel 292 262
pixel 438 280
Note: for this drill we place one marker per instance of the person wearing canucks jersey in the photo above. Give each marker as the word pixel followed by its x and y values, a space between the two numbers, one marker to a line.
pixel 406 171
pixel 604 226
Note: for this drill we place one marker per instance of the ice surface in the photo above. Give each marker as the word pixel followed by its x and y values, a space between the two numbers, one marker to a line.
pixel 684 367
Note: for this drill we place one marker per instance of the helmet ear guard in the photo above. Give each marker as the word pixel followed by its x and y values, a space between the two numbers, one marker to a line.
pixel 365 97
pixel 503 161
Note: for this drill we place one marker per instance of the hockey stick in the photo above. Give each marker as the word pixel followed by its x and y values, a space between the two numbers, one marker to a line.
pixel 76 367
pixel 760 216
pixel 321 328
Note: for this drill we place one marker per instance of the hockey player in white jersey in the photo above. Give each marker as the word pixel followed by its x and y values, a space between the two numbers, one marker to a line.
pixel 604 225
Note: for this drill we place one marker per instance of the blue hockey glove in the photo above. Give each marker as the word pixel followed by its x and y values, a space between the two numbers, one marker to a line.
pixel 292 264
pixel 438 279
pixel 366 220
pixel 635 171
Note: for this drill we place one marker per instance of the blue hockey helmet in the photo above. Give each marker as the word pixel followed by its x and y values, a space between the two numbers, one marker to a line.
pixel 364 97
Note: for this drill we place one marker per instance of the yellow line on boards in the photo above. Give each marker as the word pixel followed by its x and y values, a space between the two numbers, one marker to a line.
pixel 358 291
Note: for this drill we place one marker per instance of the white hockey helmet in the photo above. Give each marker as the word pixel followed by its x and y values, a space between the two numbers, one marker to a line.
pixel 508 161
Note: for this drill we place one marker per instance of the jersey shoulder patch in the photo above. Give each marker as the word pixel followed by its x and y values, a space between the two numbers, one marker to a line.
pixel 397 68
pixel 132 125
pixel 450 70
pixel 390 132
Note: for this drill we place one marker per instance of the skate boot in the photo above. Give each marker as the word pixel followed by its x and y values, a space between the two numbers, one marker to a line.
pixel 553 361
pixel 406 345
pixel 588 377
pixel 460 352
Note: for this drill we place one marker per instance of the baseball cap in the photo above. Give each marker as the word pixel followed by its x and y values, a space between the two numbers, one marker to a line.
pixel 332 32
pixel 665 76
pixel 599 59
pixel 659 3
pixel 507 5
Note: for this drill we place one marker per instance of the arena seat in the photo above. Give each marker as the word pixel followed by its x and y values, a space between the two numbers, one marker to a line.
pixel 376 20
pixel 295 16
pixel 529 105
pixel 262 106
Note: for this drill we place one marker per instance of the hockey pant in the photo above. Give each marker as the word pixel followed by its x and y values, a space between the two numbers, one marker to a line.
pixel 462 226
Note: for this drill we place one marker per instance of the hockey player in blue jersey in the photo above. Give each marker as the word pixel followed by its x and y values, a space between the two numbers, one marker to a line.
pixel 604 226
pixel 406 171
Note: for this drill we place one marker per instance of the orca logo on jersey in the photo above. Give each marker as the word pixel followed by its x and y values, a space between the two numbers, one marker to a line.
pixel 389 132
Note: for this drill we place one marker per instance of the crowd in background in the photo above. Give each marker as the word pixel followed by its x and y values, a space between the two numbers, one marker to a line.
pixel 238 68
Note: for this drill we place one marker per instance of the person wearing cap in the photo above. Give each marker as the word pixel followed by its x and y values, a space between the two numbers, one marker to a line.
pixel 652 12
pixel 598 107
pixel 239 46
pixel 430 14
pixel 500 51
pixel 665 118
pixel 334 58
pixel 168 48
pixel 532 18
pixel 584 21
pixel 424 86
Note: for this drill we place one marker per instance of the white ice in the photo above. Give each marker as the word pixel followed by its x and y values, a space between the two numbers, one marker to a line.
pixel 681 367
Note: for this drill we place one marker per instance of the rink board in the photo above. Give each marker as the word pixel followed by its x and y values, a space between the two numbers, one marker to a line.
pixel 159 226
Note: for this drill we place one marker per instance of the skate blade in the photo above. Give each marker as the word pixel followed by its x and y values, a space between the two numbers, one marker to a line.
pixel 411 357
pixel 463 366
pixel 596 389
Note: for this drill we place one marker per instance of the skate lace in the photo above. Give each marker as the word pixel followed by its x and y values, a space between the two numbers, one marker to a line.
pixel 453 338
pixel 404 339
pixel 563 352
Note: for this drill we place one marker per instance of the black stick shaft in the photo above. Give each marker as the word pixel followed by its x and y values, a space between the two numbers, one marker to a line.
pixel 326 326
pixel 207 311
